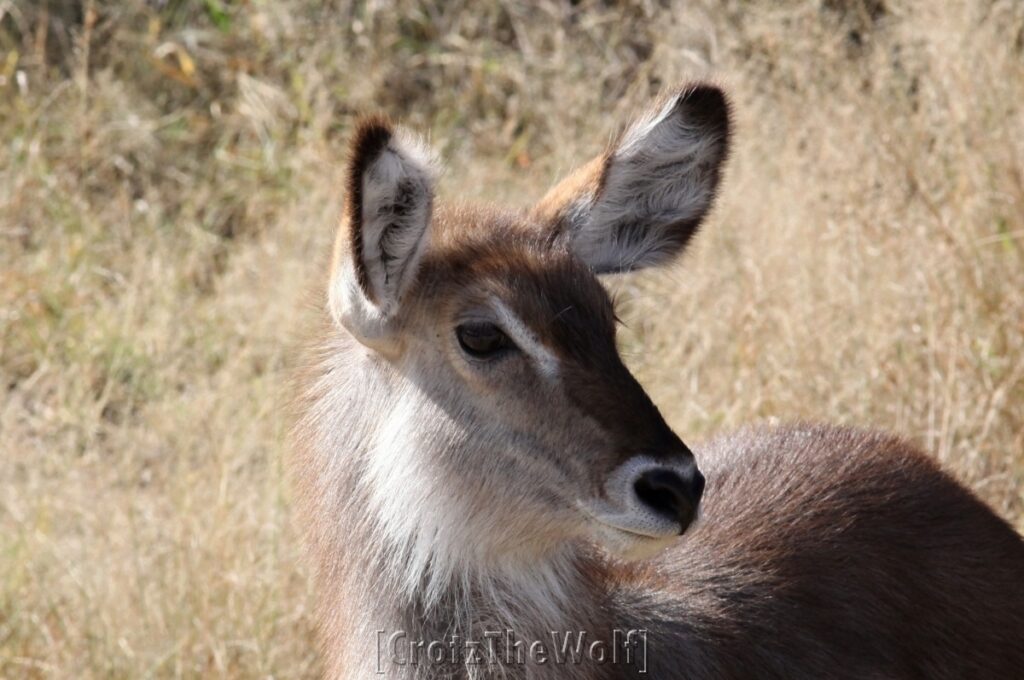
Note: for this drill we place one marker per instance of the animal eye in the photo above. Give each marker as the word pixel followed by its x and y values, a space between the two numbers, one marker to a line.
pixel 483 340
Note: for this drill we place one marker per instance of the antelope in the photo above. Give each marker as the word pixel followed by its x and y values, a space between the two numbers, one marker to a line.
pixel 481 480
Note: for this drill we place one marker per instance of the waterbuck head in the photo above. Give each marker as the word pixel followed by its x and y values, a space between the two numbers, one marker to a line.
pixel 493 416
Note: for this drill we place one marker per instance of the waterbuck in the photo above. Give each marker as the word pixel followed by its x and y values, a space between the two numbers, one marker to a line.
pixel 489 493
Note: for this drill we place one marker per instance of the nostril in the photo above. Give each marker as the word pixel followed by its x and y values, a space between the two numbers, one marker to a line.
pixel 662 490
pixel 668 494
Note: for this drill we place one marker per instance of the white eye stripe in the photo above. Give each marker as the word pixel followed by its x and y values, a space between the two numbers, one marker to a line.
pixel 526 340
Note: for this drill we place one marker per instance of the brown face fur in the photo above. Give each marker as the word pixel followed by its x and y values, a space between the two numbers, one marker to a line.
pixel 588 420
pixel 445 491
pixel 555 431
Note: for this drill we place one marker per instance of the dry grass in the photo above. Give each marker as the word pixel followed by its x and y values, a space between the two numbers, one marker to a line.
pixel 169 180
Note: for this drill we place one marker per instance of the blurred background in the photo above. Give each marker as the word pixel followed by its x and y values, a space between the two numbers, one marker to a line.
pixel 170 175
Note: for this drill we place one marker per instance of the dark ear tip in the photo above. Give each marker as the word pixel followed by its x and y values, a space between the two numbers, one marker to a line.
pixel 707 106
pixel 371 135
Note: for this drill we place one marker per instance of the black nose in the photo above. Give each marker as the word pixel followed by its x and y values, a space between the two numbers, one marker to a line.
pixel 670 494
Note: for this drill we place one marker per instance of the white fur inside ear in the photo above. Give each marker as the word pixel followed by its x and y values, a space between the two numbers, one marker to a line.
pixel 658 183
pixel 350 307
pixel 398 192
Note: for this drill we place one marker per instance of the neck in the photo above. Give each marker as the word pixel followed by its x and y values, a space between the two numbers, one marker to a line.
pixel 386 608
pixel 480 622
pixel 400 587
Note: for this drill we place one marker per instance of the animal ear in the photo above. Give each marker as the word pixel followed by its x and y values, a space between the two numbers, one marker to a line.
pixel 638 204
pixel 385 227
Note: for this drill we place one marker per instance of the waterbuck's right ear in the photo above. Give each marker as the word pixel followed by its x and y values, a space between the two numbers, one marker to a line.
pixel 638 204
pixel 385 228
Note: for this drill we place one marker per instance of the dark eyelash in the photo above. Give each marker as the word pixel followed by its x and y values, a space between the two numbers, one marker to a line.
pixel 483 340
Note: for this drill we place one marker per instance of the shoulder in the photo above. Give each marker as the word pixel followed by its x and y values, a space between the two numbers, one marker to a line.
pixel 807 482
pixel 807 449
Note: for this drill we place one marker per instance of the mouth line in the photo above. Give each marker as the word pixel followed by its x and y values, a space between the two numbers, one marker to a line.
pixel 660 536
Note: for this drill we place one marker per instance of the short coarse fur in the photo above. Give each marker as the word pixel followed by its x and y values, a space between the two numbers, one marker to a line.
pixel 444 495
pixel 832 552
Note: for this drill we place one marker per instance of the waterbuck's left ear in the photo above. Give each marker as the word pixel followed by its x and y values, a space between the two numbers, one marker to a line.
pixel 639 203
pixel 385 228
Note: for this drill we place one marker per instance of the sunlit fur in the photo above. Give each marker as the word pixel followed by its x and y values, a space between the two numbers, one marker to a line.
pixel 446 495
pixel 640 203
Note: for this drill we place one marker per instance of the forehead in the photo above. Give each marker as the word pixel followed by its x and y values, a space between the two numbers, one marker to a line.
pixel 477 257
